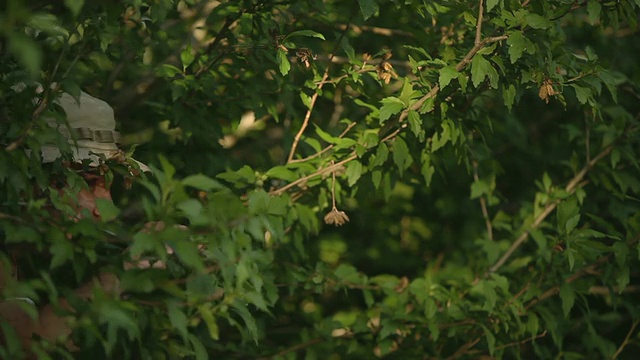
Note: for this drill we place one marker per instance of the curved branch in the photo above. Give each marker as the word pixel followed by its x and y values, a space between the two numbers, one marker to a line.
pixel 571 187
pixel 312 103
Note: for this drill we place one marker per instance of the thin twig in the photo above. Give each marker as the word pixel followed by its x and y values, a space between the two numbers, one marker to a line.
pixel 479 23
pixel 464 349
pixel 295 348
pixel 483 204
pixel 541 335
pixel 570 188
pixel 333 188
pixel 312 103
pixel 626 340
pixel 320 172
pixel 349 127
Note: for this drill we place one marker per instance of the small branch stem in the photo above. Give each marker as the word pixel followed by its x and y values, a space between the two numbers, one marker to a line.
pixel 307 116
pixel 294 348
pixel 626 340
pixel 479 24
pixel 349 127
pixel 333 188
pixel 483 204
pixel 571 187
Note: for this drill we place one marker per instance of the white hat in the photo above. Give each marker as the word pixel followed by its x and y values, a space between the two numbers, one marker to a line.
pixel 92 126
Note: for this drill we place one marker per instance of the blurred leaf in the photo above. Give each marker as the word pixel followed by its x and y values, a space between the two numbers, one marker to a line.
pixel 108 210
pixel 481 68
pixel 74 6
pixel 27 51
pixel 202 182
pixel 568 296
pixel 401 156
pixel 283 62
pixel 368 8
pixel 354 171
pixel 447 73
pixel 307 33
pixel 537 22
pixel 390 106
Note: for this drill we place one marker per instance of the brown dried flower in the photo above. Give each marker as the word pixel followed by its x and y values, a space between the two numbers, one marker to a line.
pixel 336 217
pixel 304 55
pixel 546 90
pixel 385 72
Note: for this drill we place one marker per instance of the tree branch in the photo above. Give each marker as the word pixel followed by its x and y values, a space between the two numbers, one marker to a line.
pixel 342 134
pixel 294 348
pixel 626 339
pixel 432 93
pixel 312 103
pixel 483 204
pixel 479 23
pixel 571 188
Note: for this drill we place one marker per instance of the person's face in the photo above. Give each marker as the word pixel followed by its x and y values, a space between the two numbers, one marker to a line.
pixel 98 189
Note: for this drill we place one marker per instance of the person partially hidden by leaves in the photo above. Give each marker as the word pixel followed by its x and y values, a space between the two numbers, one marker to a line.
pixel 90 131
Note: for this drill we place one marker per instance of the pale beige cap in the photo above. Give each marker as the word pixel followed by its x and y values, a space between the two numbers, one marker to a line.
pixel 92 124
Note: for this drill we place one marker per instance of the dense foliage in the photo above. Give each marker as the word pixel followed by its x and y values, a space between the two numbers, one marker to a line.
pixel 481 157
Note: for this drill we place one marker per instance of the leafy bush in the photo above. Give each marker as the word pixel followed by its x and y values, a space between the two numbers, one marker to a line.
pixel 481 157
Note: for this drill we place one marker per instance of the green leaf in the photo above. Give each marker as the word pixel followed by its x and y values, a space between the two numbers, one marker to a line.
pixel 593 9
pixel 178 319
pixel 108 210
pixel 517 46
pixel 407 93
pixel 281 172
pixel 447 73
pixel 376 177
pixel 509 96
pixel 390 106
pixel 368 8
pixel 566 214
pixel 244 175
pixel 62 251
pixel 192 209
pixel 491 4
pixel 479 188
pixel 74 6
pixel 199 349
pixel 249 321
pixel 209 319
pixel 415 123
pixel 47 23
pixel 491 340
pixel 354 171
pixel 621 251
pixel 202 182
pixel 582 93
pixel 568 297
pixel 307 33
pixel 401 156
pixel 348 273
pixel 427 169
pixel 438 141
pixel 382 154
pixel 26 51
pixel 537 22
pixel 283 62
pixel 622 278
pixel 187 55
pixel 482 68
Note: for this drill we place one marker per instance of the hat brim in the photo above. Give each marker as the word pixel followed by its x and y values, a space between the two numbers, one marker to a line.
pixel 80 153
